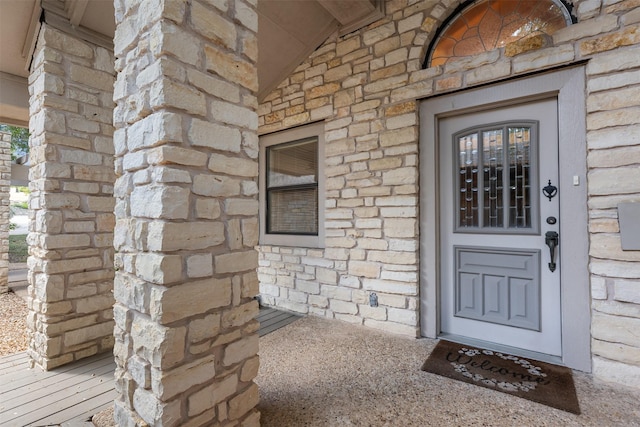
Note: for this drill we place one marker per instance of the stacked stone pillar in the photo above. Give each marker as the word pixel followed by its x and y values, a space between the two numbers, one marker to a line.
pixel 5 183
pixel 186 212
pixel 71 202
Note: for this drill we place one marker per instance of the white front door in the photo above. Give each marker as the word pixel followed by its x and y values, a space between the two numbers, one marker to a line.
pixel 498 283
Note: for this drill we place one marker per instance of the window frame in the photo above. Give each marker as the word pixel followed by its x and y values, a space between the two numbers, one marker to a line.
pixel 283 137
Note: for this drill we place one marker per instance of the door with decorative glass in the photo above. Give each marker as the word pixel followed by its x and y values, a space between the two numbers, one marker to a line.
pixel 499 211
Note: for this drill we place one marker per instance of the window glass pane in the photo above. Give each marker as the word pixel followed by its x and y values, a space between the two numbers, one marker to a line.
pixel 294 163
pixel 293 211
pixel 493 187
pixel 519 177
pixel 492 168
pixel 468 180
pixel 491 24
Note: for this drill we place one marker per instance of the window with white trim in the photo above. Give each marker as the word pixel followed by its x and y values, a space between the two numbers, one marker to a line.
pixel 292 187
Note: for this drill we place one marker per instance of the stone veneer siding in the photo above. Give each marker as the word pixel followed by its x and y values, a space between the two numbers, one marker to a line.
pixel 5 185
pixel 71 202
pixel 365 86
pixel 186 207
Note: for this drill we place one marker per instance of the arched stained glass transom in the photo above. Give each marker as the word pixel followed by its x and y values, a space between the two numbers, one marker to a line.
pixel 484 25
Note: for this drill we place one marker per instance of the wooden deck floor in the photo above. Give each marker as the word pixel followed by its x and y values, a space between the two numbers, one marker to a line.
pixel 32 397
pixel 271 320
pixel 68 396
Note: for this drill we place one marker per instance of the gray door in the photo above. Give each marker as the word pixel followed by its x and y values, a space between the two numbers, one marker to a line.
pixel 498 282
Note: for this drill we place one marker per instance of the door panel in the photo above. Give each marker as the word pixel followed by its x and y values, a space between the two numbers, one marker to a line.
pixel 495 282
pixel 498 286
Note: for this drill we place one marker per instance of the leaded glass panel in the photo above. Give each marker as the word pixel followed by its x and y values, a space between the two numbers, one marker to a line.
pixel 493 165
pixel 520 177
pixel 468 189
pixel 495 174
pixel 486 25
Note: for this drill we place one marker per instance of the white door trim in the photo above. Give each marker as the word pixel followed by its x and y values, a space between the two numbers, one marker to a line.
pixel 569 86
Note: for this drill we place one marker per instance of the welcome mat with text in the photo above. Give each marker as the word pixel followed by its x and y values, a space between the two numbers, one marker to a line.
pixel 540 382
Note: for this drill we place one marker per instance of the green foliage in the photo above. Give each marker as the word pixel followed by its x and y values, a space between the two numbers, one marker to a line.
pixel 24 190
pixel 23 205
pixel 18 248
pixel 19 140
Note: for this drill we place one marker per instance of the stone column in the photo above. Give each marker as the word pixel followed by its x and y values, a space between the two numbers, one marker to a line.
pixel 186 212
pixel 71 202
pixel 5 185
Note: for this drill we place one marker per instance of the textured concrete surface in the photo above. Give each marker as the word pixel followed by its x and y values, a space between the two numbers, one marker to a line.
pixel 317 372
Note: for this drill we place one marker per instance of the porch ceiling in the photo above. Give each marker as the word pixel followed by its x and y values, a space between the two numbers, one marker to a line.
pixel 289 30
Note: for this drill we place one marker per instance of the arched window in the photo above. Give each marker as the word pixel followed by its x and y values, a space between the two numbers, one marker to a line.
pixel 483 25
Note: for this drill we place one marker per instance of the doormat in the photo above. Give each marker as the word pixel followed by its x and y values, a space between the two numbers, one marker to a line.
pixel 540 382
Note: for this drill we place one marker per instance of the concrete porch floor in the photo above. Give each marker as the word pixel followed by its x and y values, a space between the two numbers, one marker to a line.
pixel 317 372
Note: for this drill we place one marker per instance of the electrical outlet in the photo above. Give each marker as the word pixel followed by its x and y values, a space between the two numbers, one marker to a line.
pixel 373 299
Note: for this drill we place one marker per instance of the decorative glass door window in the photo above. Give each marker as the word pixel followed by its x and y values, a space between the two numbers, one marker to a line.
pixel 292 188
pixel 496 168
pixel 484 25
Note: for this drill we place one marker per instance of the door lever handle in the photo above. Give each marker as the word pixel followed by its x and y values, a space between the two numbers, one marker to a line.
pixel 551 240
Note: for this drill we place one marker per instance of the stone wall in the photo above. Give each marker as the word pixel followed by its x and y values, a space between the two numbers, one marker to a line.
pixel 186 207
pixel 5 185
pixel 613 129
pixel 71 202
pixel 365 84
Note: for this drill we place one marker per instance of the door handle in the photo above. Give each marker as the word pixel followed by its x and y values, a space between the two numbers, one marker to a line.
pixel 551 240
